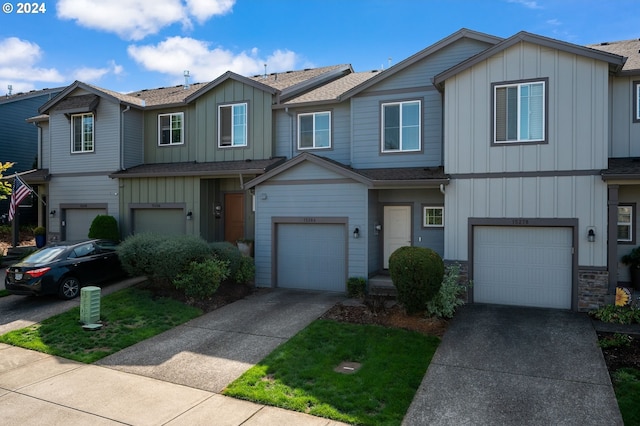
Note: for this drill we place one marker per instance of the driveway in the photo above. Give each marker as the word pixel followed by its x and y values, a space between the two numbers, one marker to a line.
pixel 516 366
pixel 211 351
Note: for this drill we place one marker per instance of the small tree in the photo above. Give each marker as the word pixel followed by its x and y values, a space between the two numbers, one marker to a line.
pixel 417 274
pixel 5 187
pixel 105 227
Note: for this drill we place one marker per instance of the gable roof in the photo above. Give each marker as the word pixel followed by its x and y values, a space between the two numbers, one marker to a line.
pixel 615 61
pixel 97 91
pixel 373 178
pixel 27 95
pixel 628 48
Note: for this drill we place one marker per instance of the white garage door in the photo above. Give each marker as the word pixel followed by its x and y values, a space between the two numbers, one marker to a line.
pixel 159 221
pixel 311 256
pixel 524 266
pixel 78 222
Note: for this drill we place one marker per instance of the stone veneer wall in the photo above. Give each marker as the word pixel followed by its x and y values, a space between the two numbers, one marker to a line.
pixel 593 287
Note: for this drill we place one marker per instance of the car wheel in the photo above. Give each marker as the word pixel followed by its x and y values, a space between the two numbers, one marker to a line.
pixel 69 288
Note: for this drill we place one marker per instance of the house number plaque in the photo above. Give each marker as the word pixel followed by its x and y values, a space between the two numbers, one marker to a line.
pixel 309 220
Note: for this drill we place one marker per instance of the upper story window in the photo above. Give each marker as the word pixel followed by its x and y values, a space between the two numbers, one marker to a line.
pixel 82 133
pixel 171 129
pixel 232 125
pixel 314 130
pixel 626 224
pixel 519 112
pixel 401 124
pixel 636 101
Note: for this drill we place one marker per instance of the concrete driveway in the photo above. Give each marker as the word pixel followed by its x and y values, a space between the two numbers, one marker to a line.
pixel 516 366
pixel 211 351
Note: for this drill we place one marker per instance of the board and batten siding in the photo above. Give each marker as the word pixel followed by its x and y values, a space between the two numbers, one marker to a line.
pixel 581 197
pixel 156 192
pixel 106 154
pixel 287 196
pixel 625 134
pixel 201 127
pixel 79 189
pixel 577 123
pixel 287 132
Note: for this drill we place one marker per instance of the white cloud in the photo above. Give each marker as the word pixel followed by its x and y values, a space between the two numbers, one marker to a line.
pixel 136 19
pixel 93 75
pixel 529 4
pixel 18 65
pixel 176 54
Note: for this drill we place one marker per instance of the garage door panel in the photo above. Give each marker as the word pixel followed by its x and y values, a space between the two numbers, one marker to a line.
pixel 311 256
pixel 78 222
pixel 159 221
pixel 524 266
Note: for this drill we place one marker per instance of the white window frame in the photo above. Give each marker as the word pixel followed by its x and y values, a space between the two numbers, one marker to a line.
pixel 400 124
pixel 636 101
pixel 629 224
pixel 519 137
pixel 426 216
pixel 314 145
pixel 170 128
pixel 83 142
pixel 233 126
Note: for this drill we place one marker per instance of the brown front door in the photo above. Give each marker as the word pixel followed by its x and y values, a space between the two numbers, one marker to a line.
pixel 233 217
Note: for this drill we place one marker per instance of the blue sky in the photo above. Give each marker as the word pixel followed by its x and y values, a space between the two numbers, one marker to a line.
pixel 128 45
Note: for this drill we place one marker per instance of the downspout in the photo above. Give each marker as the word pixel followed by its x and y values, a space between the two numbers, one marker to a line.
pixel 290 131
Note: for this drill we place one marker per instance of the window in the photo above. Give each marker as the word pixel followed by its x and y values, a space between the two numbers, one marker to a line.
pixel 314 130
pixel 401 126
pixel 232 120
pixel 519 112
pixel 170 129
pixel 636 101
pixel 433 217
pixel 626 224
pixel 82 133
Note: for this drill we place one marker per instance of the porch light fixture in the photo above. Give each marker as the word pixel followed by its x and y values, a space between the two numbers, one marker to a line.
pixel 217 211
pixel 189 216
pixel 356 232
pixel 52 213
pixel 591 235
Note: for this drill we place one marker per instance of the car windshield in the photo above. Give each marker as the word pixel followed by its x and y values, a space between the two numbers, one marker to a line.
pixel 44 255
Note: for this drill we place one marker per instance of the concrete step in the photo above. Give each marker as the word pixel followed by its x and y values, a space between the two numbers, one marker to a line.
pixel 381 285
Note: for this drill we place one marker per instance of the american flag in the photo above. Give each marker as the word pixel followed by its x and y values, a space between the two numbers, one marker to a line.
pixel 20 191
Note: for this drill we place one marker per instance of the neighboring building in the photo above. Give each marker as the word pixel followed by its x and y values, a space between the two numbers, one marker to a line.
pixel 19 141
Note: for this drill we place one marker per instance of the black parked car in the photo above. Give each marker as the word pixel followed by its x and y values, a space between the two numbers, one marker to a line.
pixel 63 268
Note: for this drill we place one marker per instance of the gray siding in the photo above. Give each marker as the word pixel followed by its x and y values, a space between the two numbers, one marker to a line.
pixel 201 127
pixel 289 198
pixel 624 133
pixel 375 241
pixel 45 145
pixel 106 155
pixel 133 133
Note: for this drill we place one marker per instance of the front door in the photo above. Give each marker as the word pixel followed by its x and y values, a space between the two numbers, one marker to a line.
pixel 233 217
pixel 396 230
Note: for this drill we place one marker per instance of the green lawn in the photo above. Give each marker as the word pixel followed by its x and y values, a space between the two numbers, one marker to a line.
pixel 4 293
pixel 299 375
pixel 626 383
pixel 128 316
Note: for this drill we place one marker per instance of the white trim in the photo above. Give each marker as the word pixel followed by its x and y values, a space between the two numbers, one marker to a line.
pixel 629 224
pixel 518 112
pixel 232 127
pixel 170 115
pixel 424 216
pixel 314 115
pixel 82 142
pixel 400 142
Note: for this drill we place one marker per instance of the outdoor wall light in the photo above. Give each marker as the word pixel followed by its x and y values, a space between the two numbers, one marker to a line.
pixel 356 232
pixel 189 216
pixel 591 235
pixel 217 211
pixel 377 228
pixel 52 213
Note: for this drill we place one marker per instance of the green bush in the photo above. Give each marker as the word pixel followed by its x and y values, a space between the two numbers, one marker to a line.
pixel 161 257
pixel 105 227
pixel 202 279
pixel 241 268
pixel 447 300
pixel 356 287
pixel 617 314
pixel 417 274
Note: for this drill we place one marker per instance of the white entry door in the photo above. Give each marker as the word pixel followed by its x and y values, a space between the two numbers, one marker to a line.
pixel 396 230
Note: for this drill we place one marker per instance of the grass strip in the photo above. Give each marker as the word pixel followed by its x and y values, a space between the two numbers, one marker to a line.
pixel 299 375
pixel 128 316
pixel 626 384
pixel 4 293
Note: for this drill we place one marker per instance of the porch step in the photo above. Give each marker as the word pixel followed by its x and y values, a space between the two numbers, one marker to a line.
pixel 14 254
pixel 381 285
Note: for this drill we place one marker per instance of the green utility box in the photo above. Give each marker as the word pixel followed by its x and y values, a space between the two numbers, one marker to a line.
pixel 90 305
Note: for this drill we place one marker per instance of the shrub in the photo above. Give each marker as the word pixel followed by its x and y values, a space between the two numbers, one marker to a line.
pixel 417 274
pixel 202 279
pixel 356 287
pixel 39 230
pixel 617 314
pixel 161 257
pixel 241 268
pixel 447 300
pixel 104 226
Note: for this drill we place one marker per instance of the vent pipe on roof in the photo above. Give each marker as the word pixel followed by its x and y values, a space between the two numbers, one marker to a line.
pixel 186 79
pixel 265 71
pixel 10 88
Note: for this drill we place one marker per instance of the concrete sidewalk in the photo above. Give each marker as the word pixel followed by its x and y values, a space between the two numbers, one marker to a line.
pixel 172 378
pixel 500 365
